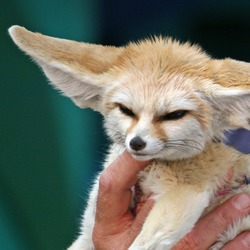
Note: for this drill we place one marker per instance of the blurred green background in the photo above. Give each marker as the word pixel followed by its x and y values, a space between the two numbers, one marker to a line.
pixel 50 149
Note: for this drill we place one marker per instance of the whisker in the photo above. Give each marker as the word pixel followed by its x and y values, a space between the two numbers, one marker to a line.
pixel 184 147
pixel 185 144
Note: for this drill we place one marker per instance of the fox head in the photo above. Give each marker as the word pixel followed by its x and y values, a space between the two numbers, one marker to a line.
pixel 160 98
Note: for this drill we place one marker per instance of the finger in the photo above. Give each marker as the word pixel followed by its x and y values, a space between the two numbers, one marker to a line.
pixel 115 186
pixel 241 242
pixel 210 226
pixel 122 173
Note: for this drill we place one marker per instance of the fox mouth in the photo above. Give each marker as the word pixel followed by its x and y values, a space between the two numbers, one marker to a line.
pixel 139 154
pixel 144 152
pixel 142 156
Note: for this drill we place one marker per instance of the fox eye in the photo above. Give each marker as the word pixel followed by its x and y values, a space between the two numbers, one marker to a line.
pixel 174 115
pixel 126 111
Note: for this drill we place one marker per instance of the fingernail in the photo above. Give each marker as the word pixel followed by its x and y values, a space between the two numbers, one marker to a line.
pixel 241 201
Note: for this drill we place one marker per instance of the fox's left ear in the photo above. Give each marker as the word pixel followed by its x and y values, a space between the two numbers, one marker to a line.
pixel 78 70
pixel 230 91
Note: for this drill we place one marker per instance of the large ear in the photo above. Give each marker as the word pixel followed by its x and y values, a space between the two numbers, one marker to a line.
pixel 230 92
pixel 77 69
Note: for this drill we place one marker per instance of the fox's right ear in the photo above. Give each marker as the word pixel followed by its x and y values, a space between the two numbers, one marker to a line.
pixel 78 70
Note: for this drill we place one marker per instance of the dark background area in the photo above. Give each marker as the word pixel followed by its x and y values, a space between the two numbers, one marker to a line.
pixel 50 149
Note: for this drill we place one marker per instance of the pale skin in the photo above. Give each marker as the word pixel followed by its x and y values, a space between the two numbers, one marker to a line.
pixel 116 227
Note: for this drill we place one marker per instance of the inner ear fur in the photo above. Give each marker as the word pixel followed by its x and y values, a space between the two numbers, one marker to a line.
pixel 77 69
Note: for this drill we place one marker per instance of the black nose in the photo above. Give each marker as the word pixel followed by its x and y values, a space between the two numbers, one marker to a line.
pixel 137 143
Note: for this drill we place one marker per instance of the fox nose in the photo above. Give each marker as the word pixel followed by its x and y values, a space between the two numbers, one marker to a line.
pixel 137 143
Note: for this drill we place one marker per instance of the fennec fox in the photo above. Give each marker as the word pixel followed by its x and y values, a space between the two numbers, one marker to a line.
pixel 162 101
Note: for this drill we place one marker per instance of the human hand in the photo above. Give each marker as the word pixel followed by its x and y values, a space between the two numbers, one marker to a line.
pixel 208 228
pixel 115 225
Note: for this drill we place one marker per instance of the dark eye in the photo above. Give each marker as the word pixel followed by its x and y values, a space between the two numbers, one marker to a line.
pixel 126 111
pixel 174 115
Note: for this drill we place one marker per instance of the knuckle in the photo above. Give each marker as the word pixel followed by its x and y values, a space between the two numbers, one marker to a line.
pixel 106 181
pixel 96 238
pixel 192 242
pixel 219 222
pixel 189 242
pixel 223 219
pixel 99 238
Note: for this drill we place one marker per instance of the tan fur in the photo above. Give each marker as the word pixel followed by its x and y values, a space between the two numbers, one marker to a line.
pixel 155 78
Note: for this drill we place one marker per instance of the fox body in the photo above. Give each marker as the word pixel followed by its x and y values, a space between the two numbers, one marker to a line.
pixel 162 101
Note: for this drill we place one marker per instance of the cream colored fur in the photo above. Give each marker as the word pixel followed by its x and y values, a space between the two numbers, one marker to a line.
pixel 138 88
